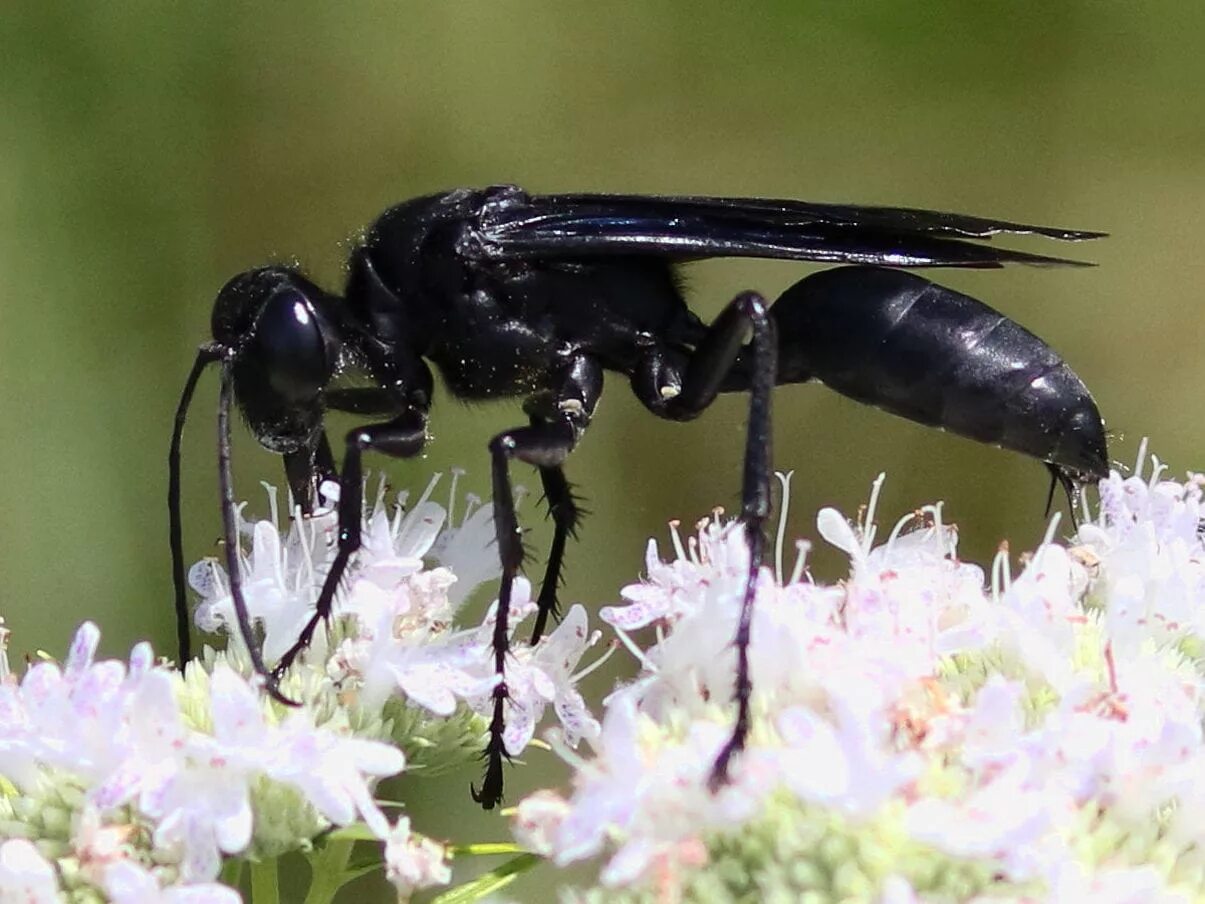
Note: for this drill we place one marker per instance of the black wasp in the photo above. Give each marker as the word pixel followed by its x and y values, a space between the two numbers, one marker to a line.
pixel 510 294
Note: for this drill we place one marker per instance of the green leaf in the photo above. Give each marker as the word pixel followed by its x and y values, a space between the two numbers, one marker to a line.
pixel 490 882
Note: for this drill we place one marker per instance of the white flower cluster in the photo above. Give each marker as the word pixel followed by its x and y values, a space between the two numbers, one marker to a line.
pixel 132 782
pixel 141 791
pixel 400 639
pixel 919 733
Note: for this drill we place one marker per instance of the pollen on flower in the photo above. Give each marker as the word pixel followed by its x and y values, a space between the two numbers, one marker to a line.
pixel 923 730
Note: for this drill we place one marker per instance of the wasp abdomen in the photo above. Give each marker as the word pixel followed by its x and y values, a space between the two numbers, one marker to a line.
pixel 930 354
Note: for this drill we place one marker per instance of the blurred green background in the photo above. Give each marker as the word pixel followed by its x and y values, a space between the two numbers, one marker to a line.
pixel 149 151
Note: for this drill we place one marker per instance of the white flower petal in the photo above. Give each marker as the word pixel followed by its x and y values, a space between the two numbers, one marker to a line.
pixel 26 877
pixel 837 531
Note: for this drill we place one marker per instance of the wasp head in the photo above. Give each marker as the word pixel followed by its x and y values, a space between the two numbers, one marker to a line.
pixel 280 332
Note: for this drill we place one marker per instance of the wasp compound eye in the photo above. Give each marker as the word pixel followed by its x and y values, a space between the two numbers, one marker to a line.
pixel 289 344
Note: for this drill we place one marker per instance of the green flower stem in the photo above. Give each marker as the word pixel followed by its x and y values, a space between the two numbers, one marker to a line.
pixel 265 881
pixel 329 868
pixel 484 849
pixel 232 872
pixel 488 883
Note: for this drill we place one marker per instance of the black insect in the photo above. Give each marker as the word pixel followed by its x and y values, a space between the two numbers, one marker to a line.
pixel 510 294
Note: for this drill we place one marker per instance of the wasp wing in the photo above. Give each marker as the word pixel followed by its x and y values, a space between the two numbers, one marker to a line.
pixel 690 228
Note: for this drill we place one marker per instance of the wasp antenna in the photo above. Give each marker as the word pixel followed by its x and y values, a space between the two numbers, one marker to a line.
pixel 230 533
pixel 206 355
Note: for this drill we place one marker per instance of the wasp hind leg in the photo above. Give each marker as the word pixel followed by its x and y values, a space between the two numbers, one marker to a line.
pixel 681 390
